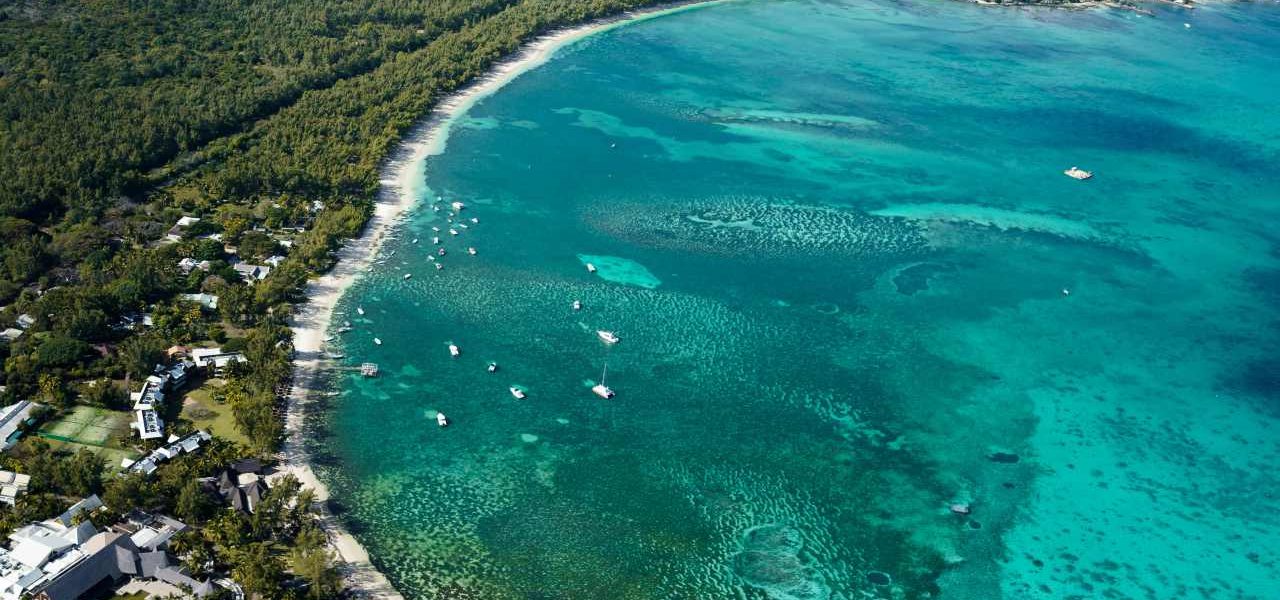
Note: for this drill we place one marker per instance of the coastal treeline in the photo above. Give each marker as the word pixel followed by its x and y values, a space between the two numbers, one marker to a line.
pixel 149 153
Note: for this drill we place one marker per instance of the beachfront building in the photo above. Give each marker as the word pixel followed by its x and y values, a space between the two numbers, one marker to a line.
pixel 214 360
pixel 146 408
pixel 240 486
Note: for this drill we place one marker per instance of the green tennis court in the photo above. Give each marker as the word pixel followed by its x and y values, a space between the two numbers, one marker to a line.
pixel 87 425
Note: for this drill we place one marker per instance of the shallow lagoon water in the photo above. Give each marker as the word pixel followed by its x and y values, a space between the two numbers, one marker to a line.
pixel 835 240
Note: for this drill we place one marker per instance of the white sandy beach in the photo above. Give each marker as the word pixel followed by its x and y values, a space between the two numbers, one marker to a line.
pixel 403 185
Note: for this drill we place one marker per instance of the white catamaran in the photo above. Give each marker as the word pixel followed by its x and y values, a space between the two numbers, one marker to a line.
pixel 600 389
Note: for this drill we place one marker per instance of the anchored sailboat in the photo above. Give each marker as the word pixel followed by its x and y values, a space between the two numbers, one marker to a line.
pixel 600 389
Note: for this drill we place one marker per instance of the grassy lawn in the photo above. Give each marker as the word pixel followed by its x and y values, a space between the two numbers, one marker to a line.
pixel 199 407
pixel 101 431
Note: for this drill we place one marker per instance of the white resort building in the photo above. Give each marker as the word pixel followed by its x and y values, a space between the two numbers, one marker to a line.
pixel 146 406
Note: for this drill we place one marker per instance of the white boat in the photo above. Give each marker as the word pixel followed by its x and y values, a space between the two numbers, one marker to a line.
pixel 608 337
pixel 453 350
pixel 471 251
pixel 463 225
pixel 434 228
pixel 441 420
pixel 377 341
pixel 334 355
pixel 441 252
pixel 408 275
pixel 435 208
pixel 600 389
pixel 439 266
pixel 330 338
pixel 435 240
pixel 591 268
pixel 344 329
pixel 458 206
pixel 1078 173
pixel 517 392
pixel 415 240
pixel 475 220
pixel 577 305
pixel 360 309
pixel 493 367
pixel 453 232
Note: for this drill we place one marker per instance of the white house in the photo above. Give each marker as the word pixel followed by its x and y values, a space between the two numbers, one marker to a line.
pixel 250 272
pixel 175 232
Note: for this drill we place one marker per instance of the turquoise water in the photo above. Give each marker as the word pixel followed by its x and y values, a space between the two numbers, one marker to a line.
pixel 834 238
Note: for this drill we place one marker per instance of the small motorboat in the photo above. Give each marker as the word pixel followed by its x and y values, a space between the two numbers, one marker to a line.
pixel 454 351
pixel 475 220
pixel 377 341
pixel 517 392
pixel 457 206
pixel 493 367
pixel 408 275
pixel 1078 173
pixel 471 251
pixel 960 509
pixel 577 305
pixel 415 240
pixel 441 420
pixel 435 208
pixel 591 268
pixel 1066 292
pixel 453 232
pixel 334 355
pixel 435 240
pixel 330 338
pixel 441 252
pixel 608 337
pixel 435 229
pixel 360 310
pixel 463 225
pixel 439 266
pixel 344 329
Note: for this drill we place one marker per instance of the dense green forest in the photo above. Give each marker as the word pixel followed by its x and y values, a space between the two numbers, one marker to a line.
pixel 268 121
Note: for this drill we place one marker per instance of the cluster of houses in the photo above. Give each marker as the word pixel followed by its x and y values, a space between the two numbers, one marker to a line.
pixel 250 273
pixel 64 557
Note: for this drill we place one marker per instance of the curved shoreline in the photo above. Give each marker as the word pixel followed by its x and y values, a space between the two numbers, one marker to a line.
pixel 403 182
